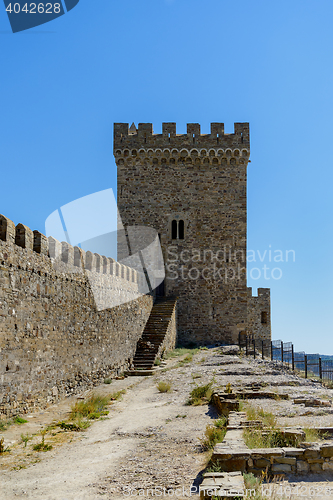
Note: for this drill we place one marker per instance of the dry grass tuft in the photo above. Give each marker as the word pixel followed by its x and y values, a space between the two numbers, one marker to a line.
pixel 201 395
pixel 164 387
pixel 267 418
pixel 92 408
pixel 214 434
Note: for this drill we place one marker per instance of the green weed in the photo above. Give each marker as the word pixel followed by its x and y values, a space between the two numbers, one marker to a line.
pixel 214 434
pixel 201 395
pixel 19 420
pixel 4 424
pixel 25 438
pixel 117 396
pixel 80 425
pixel 228 388
pixel 93 407
pixel 221 422
pixel 42 446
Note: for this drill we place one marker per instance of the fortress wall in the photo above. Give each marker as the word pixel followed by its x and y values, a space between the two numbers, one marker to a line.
pixel 259 314
pixel 55 338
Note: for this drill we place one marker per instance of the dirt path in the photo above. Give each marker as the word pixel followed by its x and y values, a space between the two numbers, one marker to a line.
pixel 78 470
pixel 150 440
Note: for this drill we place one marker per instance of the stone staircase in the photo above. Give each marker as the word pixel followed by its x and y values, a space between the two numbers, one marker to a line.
pixel 153 336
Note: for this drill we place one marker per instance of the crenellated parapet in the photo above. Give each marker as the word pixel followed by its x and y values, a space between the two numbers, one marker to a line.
pixel 64 328
pixel 64 256
pixel 133 145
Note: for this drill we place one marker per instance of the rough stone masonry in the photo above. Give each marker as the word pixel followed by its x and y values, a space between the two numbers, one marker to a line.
pixel 53 339
pixel 191 188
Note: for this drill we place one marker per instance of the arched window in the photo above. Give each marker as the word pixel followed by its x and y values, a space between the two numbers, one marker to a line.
pixel 174 229
pixel 177 229
pixel 264 317
pixel 181 230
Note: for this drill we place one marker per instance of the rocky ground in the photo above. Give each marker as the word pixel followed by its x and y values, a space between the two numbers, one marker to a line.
pixel 151 440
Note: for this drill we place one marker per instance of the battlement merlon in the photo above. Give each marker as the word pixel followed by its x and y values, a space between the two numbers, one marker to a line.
pixel 262 292
pixel 143 136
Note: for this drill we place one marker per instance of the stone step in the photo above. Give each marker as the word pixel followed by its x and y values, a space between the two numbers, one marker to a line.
pixel 143 364
pixel 222 485
pixel 154 334
pixel 149 366
pixel 137 357
pixel 144 360
pixel 139 373
pixel 140 364
pixel 155 329
pixel 146 354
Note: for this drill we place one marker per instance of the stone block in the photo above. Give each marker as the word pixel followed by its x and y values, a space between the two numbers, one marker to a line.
pixel 313 453
pixel 222 485
pixel 326 450
pixel 54 248
pixel 79 257
pixel 327 466
pixel 98 263
pixel 230 350
pixel 294 436
pixel 112 265
pixel 106 265
pixel 221 454
pixel 315 460
pixel 312 402
pixel 262 463
pixel 256 471
pixel 302 466
pixel 316 468
pixel 24 237
pixel 285 460
pixel 225 406
pixel 233 464
pixel 294 452
pixel 267 452
pixel 281 468
pixel 90 263
pixel 7 230
pixel 41 244
pixel 67 253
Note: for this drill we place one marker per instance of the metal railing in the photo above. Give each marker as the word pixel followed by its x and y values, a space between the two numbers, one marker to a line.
pixel 279 351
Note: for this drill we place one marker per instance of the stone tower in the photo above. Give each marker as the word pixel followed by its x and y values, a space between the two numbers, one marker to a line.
pixel 191 188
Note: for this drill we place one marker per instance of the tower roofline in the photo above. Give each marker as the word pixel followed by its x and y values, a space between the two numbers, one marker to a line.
pixel 145 137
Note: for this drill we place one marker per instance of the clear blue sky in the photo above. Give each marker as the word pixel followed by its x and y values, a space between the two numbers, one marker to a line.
pixel 63 85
